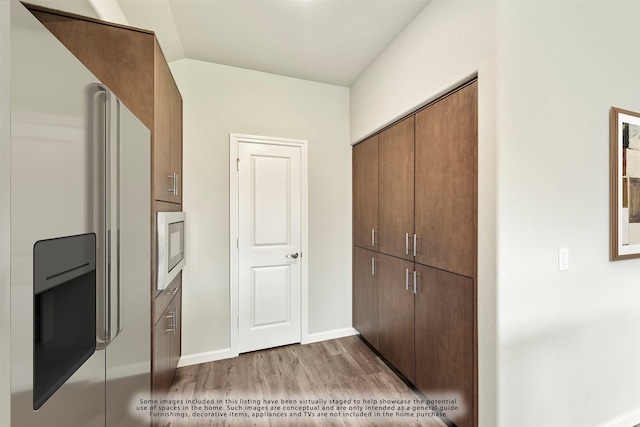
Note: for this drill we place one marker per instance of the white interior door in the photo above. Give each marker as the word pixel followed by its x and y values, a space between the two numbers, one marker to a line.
pixel 269 245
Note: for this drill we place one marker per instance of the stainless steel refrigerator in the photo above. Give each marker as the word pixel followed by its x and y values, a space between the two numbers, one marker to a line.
pixel 80 241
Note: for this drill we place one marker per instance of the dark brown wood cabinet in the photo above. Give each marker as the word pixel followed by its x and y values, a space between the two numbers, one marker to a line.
pixel 445 340
pixel 131 63
pixel 365 194
pixel 166 345
pixel 396 182
pixel 119 56
pixel 445 183
pixel 168 132
pixel 175 342
pixel 176 139
pixel 365 294
pixel 426 282
pixel 396 324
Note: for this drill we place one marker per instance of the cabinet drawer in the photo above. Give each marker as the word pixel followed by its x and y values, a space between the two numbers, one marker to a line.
pixel 164 299
pixel 167 346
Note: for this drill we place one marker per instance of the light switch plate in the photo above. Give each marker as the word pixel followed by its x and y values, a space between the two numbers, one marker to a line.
pixel 563 259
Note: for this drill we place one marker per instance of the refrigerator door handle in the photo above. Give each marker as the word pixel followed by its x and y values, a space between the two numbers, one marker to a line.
pixel 111 127
pixel 113 178
pixel 119 297
pixel 110 312
pixel 102 120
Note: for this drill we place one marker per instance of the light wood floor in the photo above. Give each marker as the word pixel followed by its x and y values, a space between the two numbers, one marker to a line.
pixel 339 369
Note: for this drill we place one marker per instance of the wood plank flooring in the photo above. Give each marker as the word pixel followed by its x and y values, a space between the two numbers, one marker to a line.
pixel 309 377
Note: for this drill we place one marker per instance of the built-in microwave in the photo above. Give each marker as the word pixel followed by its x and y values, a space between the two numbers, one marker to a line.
pixel 170 246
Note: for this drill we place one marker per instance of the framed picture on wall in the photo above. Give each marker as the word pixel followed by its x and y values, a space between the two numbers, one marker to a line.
pixel 625 184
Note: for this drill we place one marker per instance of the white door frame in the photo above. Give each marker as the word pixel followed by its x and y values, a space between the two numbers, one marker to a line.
pixel 234 141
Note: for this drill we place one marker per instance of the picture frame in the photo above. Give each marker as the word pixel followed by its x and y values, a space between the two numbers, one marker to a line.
pixel 624 184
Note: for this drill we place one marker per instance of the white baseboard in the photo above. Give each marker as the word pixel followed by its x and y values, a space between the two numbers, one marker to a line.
pixel 329 335
pixel 629 419
pixel 208 356
pixel 225 353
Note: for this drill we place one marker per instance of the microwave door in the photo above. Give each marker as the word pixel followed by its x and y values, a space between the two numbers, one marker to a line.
pixel 176 244
pixel 171 255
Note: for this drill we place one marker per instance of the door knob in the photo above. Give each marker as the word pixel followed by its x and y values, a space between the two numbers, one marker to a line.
pixel 294 256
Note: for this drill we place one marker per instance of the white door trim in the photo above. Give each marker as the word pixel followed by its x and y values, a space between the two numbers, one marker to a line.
pixel 234 141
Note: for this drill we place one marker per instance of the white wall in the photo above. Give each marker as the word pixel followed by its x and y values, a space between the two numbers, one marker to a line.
pixel 5 226
pixel 219 100
pixel 448 42
pixel 569 340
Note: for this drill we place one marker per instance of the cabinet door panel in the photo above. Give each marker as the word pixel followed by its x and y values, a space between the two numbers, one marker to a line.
pixel 365 193
pixel 176 139
pixel 167 345
pixel 445 340
pixel 446 189
pixel 396 189
pixel 175 339
pixel 365 294
pixel 118 56
pixel 162 167
pixel 396 313
pixel 162 372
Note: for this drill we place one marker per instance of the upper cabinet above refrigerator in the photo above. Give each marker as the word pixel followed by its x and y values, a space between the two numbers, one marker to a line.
pixel 168 134
pixel 130 62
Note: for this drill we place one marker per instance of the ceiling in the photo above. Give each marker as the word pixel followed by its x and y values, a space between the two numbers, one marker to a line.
pixel 329 41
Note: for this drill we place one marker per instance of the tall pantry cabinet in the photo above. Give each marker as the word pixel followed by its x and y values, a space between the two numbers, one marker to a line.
pixel 130 62
pixel 365 194
pixel 415 248
pixel 395 189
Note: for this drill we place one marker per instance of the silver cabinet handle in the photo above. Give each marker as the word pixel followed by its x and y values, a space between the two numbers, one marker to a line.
pixel 406 279
pixel 175 321
pixel 373 237
pixel 414 244
pixel 174 177
pixel 172 189
pixel 406 243
pixel 415 281
pixel 294 256
pixel 172 322
pixel 373 266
